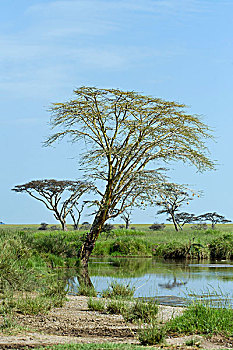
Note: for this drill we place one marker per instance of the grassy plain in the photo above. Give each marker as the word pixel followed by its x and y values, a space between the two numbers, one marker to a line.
pixel 136 241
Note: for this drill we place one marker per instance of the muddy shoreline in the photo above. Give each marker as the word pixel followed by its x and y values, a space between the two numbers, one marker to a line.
pixel 74 323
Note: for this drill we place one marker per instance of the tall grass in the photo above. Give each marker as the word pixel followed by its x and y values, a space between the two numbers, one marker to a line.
pixel 203 318
pixel 27 284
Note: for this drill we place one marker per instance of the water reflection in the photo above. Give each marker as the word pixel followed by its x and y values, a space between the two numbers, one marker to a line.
pixel 173 283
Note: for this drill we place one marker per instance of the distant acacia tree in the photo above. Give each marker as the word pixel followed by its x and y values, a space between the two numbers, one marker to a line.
pixel 76 213
pixel 171 197
pixel 126 217
pixel 213 217
pixel 123 133
pixel 58 196
pixel 183 218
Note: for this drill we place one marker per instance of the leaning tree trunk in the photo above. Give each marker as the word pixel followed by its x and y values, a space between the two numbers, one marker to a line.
pixel 174 223
pixel 89 244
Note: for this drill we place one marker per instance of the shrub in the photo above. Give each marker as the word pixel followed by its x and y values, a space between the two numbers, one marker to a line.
pixel 43 226
pixel 88 291
pixel 107 228
pixel 102 248
pixel 203 226
pixel 56 292
pixel 129 246
pixel 116 307
pixel 173 250
pixel 151 334
pixel 157 227
pixel 85 225
pixel 56 244
pixel 222 247
pixel 141 311
pixel 26 305
pixel 96 304
pixel 117 290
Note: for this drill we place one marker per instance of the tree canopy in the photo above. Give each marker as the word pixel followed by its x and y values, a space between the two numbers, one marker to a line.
pixel 171 197
pixel 51 193
pixel 213 217
pixel 125 136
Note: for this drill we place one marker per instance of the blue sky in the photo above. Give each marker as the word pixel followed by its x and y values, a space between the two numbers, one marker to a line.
pixel 180 50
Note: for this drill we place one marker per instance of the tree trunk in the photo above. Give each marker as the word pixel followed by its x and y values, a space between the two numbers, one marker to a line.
pixel 174 222
pixel 127 224
pixel 76 224
pixel 96 228
pixel 212 225
pixel 83 275
pixel 63 225
pixel 90 240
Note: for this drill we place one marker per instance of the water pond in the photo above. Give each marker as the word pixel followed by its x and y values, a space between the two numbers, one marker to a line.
pixel 171 283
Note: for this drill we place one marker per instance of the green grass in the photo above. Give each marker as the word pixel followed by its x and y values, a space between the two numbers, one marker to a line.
pixel 60 248
pixel 117 307
pixel 141 312
pixel 202 318
pixel 119 291
pixel 151 334
pixel 96 305
pixel 88 291
pixel 27 284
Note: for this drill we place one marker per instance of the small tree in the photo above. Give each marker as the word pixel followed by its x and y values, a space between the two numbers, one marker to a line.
pixel 123 135
pixel 171 198
pixel 51 192
pixel 76 217
pixel 183 218
pixel 214 218
pixel 126 216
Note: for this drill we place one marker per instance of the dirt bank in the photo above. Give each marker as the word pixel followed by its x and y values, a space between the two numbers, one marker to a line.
pixel 74 323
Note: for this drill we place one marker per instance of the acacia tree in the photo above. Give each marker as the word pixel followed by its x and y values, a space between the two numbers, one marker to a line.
pixel 51 192
pixel 77 216
pixel 126 216
pixel 183 218
pixel 171 197
pixel 214 218
pixel 123 133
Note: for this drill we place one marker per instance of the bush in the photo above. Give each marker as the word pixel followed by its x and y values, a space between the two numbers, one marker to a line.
pixel 107 228
pixel 141 311
pixel 43 226
pixel 56 244
pixel 88 291
pixel 151 334
pixel 203 226
pixel 85 226
pixel 129 246
pixel 222 247
pixel 173 250
pixel 157 227
pixel 96 305
pixel 117 307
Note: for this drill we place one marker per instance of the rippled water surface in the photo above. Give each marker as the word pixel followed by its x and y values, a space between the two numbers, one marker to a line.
pixel 172 283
